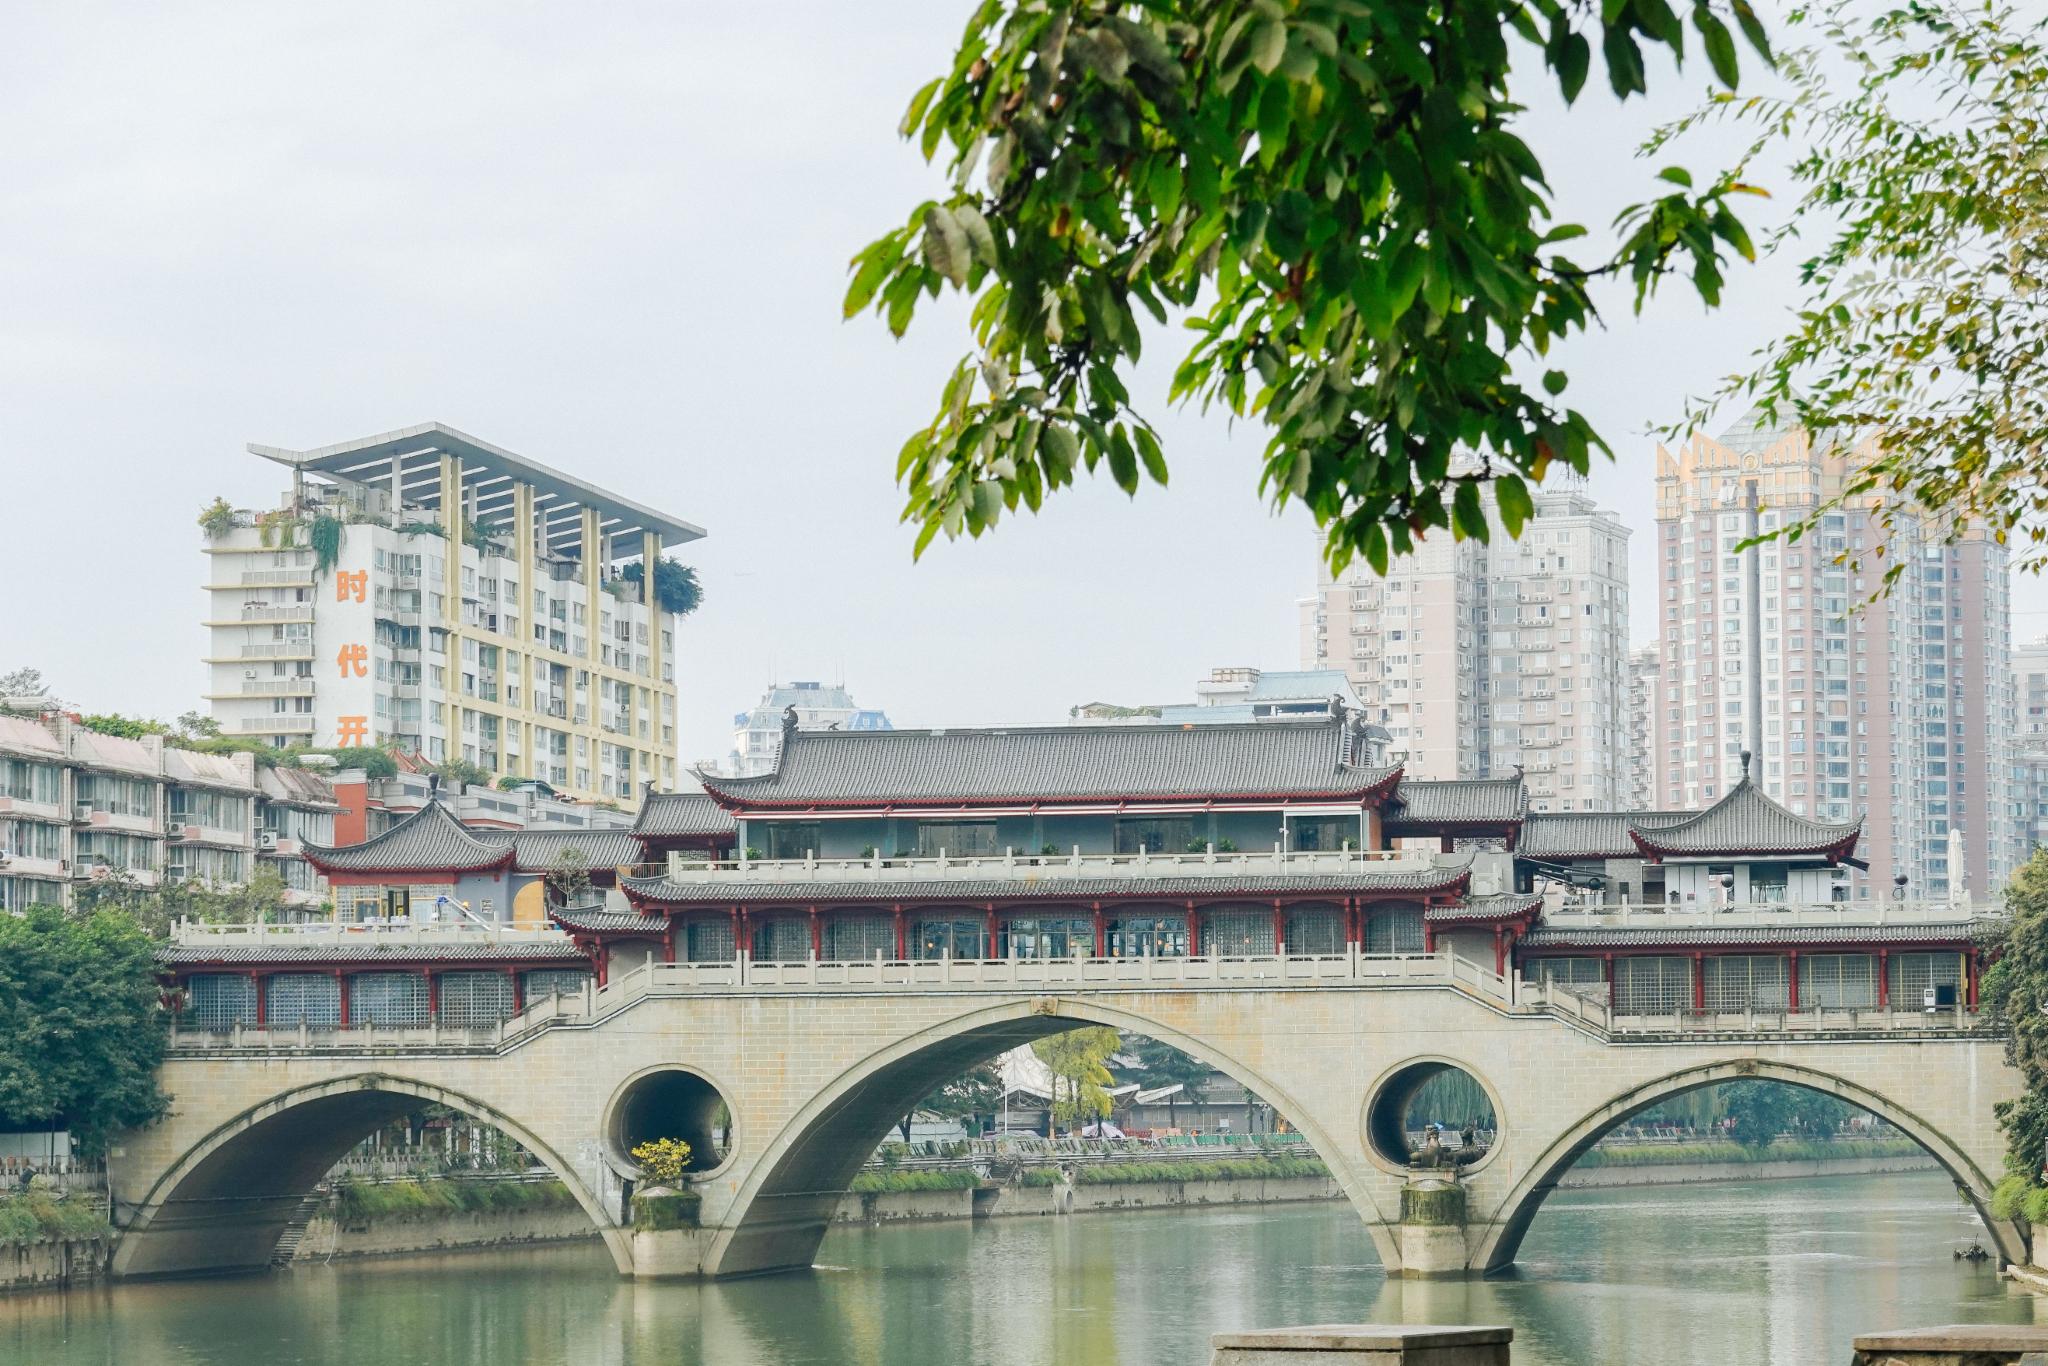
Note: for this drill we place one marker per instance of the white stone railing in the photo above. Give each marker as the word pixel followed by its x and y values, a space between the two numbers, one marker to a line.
pixel 683 868
pixel 1769 914
pixel 453 932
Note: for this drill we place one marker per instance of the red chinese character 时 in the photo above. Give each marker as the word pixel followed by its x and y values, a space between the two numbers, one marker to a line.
pixel 351 730
pixel 354 585
pixel 353 660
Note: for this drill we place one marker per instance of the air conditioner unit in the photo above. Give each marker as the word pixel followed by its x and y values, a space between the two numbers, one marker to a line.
pixel 175 830
pixel 266 839
pixel 83 811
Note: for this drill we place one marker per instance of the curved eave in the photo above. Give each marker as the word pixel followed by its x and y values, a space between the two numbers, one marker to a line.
pixel 648 899
pixel 1834 851
pixel 1370 796
pixel 313 855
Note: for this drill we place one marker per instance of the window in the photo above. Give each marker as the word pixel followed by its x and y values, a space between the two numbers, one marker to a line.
pixel 1838 981
pixel 1394 929
pixel 1147 936
pixel 1322 832
pixel 27 782
pixel 956 839
pixel 1154 835
pixel 961 938
pixel 794 839
pixel 1048 937
pixel 1744 982
pixel 1652 986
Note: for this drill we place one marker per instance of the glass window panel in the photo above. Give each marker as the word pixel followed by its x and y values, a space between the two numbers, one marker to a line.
pixel 218 1001
pixel 859 938
pixel 1838 981
pixel 1162 835
pixel 1237 932
pixel 292 999
pixel 1742 982
pixel 475 998
pixel 957 938
pixel 708 939
pixel 783 939
pixel 956 839
pixel 1652 986
pixel 387 1000
pixel 1144 935
pixel 1315 930
pixel 555 982
pixel 1048 937
pixel 1393 929
pixel 1912 973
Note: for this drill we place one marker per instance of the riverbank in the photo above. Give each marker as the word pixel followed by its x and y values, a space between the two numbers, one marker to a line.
pixel 1685 1163
pixel 439 1214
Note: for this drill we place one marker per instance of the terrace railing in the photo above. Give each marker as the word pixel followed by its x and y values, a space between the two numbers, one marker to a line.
pixel 683 868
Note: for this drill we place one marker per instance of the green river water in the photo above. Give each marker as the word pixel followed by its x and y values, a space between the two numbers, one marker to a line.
pixel 1740 1272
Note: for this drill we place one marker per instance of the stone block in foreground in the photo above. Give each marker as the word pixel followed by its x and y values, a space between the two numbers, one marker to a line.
pixel 1363 1344
pixel 1957 1344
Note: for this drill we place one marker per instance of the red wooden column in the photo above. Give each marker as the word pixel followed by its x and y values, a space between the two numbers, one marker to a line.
pixel 519 987
pixel 1884 985
pixel 434 993
pixel 1279 926
pixel 1352 927
pixel 1970 979
pixel 1699 982
pixel 1446 844
pixel 1101 930
pixel 1194 931
pixel 668 941
pixel 1607 963
pixel 993 925
pixel 1499 954
pixel 817 937
pixel 1792 982
pixel 341 993
pixel 902 953
pixel 262 1005
pixel 739 940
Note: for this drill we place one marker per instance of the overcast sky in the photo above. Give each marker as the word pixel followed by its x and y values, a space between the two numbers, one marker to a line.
pixel 613 238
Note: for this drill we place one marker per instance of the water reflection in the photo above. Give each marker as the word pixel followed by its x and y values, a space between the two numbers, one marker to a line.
pixel 1781 1272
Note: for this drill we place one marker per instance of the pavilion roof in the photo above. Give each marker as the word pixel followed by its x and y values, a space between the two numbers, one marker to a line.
pixel 669 815
pixel 540 851
pixel 1589 834
pixel 1745 821
pixel 431 839
pixel 1058 765
pixel 1486 909
pixel 1458 801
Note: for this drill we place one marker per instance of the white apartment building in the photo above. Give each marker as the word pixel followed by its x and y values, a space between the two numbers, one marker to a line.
pixel 757 734
pixel 2030 764
pixel 76 805
pixel 1645 667
pixel 1480 660
pixel 429 589
pixel 1902 709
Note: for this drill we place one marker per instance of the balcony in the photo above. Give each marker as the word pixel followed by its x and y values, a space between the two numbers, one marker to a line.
pixel 1058 867
pixel 291 611
pixel 22 806
pixel 278 649
pixel 270 687
pixel 294 723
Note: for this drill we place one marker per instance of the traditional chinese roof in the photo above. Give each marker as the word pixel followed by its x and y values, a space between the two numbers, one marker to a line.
pixel 431 839
pixel 1056 765
pixel 372 949
pixel 929 891
pixel 1422 802
pixel 1486 909
pixel 1549 936
pixel 680 815
pixel 540 851
pixel 1568 835
pixel 598 920
pixel 1745 822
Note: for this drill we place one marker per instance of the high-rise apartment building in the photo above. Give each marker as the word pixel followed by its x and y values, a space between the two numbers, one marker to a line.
pixel 757 734
pixel 1482 659
pixel 1901 709
pixel 1645 667
pixel 2030 761
pixel 429 589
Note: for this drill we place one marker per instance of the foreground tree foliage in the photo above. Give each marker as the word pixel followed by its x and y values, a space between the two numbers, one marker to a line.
pixel 81 1028
pixel 1923 325
pixel 155 909
pixel 1331 193
pixel 2014 994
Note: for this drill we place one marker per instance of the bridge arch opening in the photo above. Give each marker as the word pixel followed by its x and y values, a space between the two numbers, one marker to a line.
pixel 224 1205
pixel 1433 1112
pixel 675 1103
pixel 1503 1239
pixel 782 1211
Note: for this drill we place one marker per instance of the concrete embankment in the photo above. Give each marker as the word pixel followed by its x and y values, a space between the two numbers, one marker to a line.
pixel 52 1263
pixel 885 1207
pixel 1793 1169
pixel 329 1238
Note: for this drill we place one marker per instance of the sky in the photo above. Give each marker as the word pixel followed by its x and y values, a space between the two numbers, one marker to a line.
pixel 614 239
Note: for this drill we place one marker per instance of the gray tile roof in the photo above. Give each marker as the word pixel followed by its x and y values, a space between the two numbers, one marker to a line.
pixel 1619 937
pixel 371 951
pixel 1493 801
pixel 1589 834
pixel 1485 908
pixel 929 891
pixel 1746 821
pixel 597 920
pixel 1055 764
pixel 538 851
pixel 429 840
pixel 680 814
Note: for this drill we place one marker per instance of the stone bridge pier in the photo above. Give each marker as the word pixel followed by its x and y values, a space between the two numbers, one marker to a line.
pixel 813 1080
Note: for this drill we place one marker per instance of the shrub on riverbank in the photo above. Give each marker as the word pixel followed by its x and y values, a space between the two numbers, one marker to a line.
pixel 889 1182
pixel 1711 1153
pixel 362 1202
pixel 37 1215
pixel 1140 1173
pixel 2016 1197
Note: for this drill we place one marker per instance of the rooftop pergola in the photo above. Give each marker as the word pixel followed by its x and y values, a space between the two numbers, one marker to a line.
pixel 408 462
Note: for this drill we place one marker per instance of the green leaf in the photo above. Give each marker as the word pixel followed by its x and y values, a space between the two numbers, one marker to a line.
pixel 1753 29
pixel 1516 506
pixel 1276 112
pixel 1554 382
pixel 1148 450
pixel 914 115
pixel 945 244
pixel 1468 518
pixel 870 269
pixel 981 242
pixel 1269 45
pixel 1719 43
pixel 1060 449
pixel 1677 175
pixel 1573 58
pixel 1123 463
pixel 1163 186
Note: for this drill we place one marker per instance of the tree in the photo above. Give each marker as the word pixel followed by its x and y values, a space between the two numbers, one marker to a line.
pixel 1334 197
pixel 24 682
pixel 123 727
pixel 676 589
pixel 1076 1059
pixel 156 909
pixel 82 1031
pixel 1166 1065
pixel 1922 329
pixel 2013 995
pixel 462 772
pixel 977 1091
pixel 197 725
pixel 568 881
pixel 1758 1111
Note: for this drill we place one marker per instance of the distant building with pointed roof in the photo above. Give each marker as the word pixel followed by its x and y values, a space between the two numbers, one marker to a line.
pixel 757 734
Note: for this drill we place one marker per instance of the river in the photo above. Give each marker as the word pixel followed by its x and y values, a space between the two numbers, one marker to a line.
pixel 1781 1272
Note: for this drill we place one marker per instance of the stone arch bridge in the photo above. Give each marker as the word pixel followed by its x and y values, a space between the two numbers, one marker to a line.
pixel 817 1060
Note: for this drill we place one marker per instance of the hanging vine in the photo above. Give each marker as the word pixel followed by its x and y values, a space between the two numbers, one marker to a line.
pixel 326 543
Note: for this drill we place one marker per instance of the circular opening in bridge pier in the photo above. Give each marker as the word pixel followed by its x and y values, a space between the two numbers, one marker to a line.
pixel 1431 1113
pixel 672 1103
